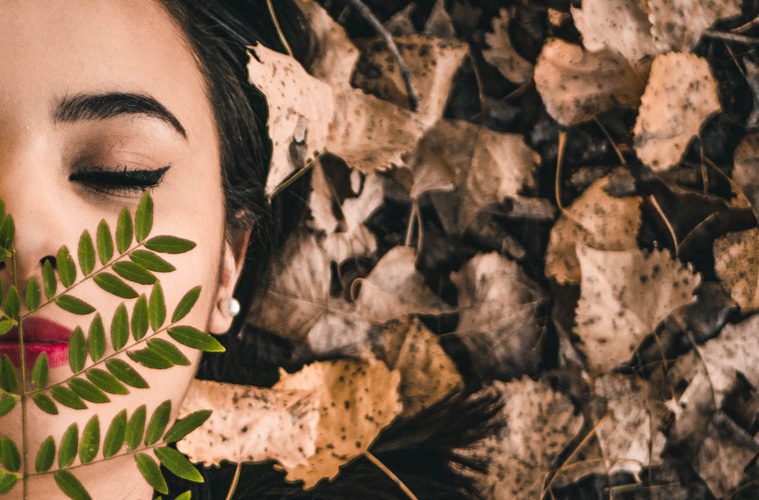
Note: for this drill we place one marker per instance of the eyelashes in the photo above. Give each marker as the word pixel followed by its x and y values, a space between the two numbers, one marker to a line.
pixel 104 181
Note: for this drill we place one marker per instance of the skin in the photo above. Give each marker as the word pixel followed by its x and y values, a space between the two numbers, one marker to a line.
pixel 59 48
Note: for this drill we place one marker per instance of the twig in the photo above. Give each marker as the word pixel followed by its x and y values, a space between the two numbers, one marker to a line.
pixel 279 28
pixel 366 13
pixel 611 141
pixel 235 480
pixel 294 176
pixel 559 164
pixel 745 27
pixel 390 474
pixel 731 37
pixel 663 216
pixel 410 227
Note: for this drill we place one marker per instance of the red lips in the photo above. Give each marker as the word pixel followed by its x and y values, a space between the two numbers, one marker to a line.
pixel 40 335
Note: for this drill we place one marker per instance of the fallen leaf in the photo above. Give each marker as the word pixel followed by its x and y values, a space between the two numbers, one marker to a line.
pixel 439 23
pixel 576 85
pixel 623 297
pixel 395 288
pixel 356 401
pixel 498 322
pixel 736 261
pixel 347 245
pixel 677 25
pixel 540 422
pixel 400 23
pixel 618 25
pixel 336 55
pixel 681 93
pixel 628 436
pixel 746 169
pixel 432 62
pixel 427 373
pixel 250 424
pixel 594 219
pixel 501 54
pixel 483 166
pixel 337 335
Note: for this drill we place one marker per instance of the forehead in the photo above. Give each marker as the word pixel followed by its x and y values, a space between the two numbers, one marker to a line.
pixel 54 48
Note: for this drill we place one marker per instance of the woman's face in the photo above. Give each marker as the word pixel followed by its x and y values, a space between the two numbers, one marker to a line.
pixel 89 86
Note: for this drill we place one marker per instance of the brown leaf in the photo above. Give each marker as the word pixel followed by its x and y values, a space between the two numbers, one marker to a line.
pixel 395 288
pixel 250 424
pixel 577 85
pixel 677 25
pixel 432 61
pixel 736 261
pixel 427 373
pixel 356 401
pixel 624 296
pixel 539 424
pixel 618 25
pixel 746 169
pixel 501 54
pixel 498 306
pixel 681 93
pixel 597 220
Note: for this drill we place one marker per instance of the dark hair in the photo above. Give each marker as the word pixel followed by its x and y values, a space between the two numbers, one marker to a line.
pixel 420 450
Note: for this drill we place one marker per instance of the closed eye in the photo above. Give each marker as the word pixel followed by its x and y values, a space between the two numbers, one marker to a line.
pixel 106 181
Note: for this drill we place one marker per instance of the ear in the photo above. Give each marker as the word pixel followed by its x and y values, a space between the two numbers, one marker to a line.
pixel 232 261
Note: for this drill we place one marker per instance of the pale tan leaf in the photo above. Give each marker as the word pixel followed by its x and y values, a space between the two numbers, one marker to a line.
pixel 498 306
pixel 681 93
pixel 677 25
pixel 618 25
pixel 427 373
pixel 345 245
pixel 400 23
pixel 439 22
pixel 484 166
pixel 736 261
pixel 300 109
pixel 576 85
pixel 356 401
pixel 395 288
pixel 501 54
pixel 540 422
pixel 250 424
pixel 340 336
pixel 432 61
pixel 336 56
pixel 624 296
pixel 628 435
pixel 746 169
pixel 597 220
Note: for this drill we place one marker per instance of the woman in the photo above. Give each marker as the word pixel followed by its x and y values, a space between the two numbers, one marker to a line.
pixel 101 101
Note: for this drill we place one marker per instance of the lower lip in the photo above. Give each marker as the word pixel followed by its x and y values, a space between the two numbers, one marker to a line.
pixel 57 352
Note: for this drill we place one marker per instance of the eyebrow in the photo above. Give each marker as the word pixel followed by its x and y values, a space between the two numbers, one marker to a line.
pixel 111 104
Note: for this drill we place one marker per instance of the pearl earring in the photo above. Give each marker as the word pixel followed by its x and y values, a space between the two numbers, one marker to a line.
pixel 230 307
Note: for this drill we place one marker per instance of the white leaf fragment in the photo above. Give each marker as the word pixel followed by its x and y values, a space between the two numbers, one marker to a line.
pixel 576 85
pixel 623 297
pixel 681 93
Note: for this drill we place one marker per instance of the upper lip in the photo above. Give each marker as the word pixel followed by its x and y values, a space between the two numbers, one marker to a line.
pixel 39 330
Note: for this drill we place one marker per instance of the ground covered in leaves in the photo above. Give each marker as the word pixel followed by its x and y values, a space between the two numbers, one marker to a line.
pixel 563 210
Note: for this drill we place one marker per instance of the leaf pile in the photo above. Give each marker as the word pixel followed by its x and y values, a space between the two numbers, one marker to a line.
pixel 564 211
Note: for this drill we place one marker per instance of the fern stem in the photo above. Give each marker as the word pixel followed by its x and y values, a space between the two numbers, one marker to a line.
pixel 102 268
pixel 117 455
pixel 22 357
pixel 405 489
pixel 235 480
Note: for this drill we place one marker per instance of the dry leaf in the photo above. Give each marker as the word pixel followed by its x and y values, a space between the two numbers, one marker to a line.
pixel 501 54
pixel 681 93
pixel 300 108
pixel 539 424
pixel 597 220
pixel 721 464
pixel 339 335
pixel 618 25
pixel 746 169
pixel 250 424
pixel 484 166
pixel 498 323
pixel 677 25
pixel 356 401
pixel 395 288
pixel 427 373
pixel 400 23
pixel 577 85
pixel 432 61
pixel 624 296
pixel 346 245
pixel 628 435
pixel 336 56
pixel 298 293
pixel 736 261
pixel 439 22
